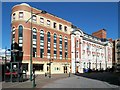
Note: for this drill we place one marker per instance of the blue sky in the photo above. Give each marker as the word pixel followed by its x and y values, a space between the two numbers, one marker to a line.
pixel 89 16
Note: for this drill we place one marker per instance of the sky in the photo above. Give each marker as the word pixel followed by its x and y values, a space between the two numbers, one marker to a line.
pixel 89 16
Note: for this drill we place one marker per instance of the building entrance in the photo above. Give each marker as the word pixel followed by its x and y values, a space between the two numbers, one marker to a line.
pixel 65 69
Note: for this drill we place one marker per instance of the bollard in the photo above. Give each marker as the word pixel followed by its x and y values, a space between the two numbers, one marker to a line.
pixel 69 74
pixel 49 75
pixel 45 74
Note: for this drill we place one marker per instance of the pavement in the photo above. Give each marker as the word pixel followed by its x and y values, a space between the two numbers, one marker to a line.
pixel 64 81
pixel 79 82
pixel 40 81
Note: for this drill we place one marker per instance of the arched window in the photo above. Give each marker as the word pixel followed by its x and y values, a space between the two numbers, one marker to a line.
pixel 55 46
pixel 65 28
pixel 20 31
pixel 41 44
pixel 20 37
pixel 66 48
pixel 34 39
pixel 60 46
pixel 48 44
pixel 48 22
pixel 42 20
pixel 13 35
pixel 88 47
pixel 77 44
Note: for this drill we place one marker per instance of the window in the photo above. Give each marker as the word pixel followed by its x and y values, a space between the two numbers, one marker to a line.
pixel 41 53
pixel 55 46
pixel 48 44
pixel 60 54
pixel 66 48
pixel 34 18
pixel 38 67
pixel 77 55
pixel 25 66
pixel 48 22
pixel 41 44
pixel 20 31
pixel 20 15
pixel 88 47
pixel 13 16
pixel 54 25
pixel 65 28
pixel 34 39
pixel 60 46
pixel 77 44
pixel 66 55
pixel 13 35
pixel 60 27
pixel 34 52
pixel 41 20
pixel 20 37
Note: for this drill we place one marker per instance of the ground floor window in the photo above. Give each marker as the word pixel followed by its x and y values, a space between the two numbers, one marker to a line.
pixel 38 67
pixel 25 66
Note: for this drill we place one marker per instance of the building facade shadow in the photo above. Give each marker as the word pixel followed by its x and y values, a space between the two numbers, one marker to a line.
pixel 109 77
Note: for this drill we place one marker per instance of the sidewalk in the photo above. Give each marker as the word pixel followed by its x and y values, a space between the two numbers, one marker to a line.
pixel 79 82
pixel 41 80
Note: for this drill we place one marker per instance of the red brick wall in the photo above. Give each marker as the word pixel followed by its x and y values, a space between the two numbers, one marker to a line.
pixel 26 41
pixel 47 15
pixel 100 34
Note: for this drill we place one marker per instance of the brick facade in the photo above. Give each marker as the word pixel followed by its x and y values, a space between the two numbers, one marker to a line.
pixel 46 29
pixel 100 34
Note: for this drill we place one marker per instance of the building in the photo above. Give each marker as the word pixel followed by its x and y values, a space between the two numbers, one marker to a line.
pixel 50 39
pixel 57 45
pixel 4 55
pixel 116 54
pixel 90 51
pixel 100 34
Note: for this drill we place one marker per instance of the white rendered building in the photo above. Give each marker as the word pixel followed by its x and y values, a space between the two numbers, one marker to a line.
pixel 89 52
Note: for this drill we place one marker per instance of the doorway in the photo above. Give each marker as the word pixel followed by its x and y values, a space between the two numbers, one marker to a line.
pixel 65 69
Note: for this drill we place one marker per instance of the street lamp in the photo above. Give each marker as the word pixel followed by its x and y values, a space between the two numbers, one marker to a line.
pixel 50 61
pixel 32 14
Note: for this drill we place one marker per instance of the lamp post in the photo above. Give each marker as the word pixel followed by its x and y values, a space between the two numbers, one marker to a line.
pixel 32 14
pixel 50 61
